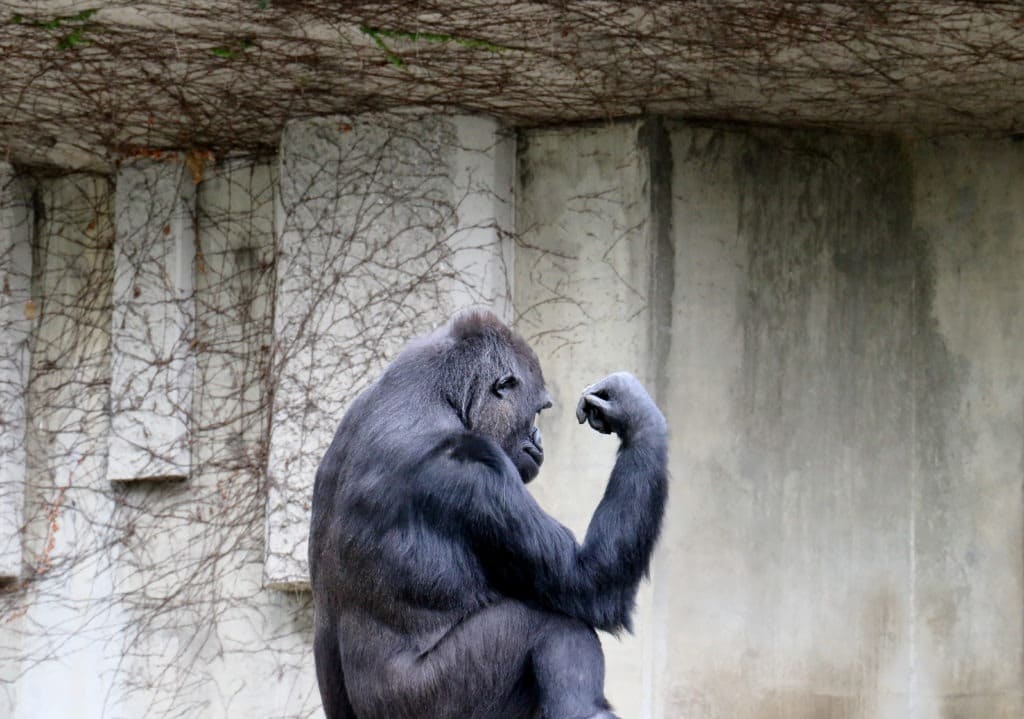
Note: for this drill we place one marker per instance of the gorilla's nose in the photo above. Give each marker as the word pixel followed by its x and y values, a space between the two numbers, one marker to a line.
pixel 536 438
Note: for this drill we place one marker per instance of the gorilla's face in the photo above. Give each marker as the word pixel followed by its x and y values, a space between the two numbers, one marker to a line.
pixel 507 413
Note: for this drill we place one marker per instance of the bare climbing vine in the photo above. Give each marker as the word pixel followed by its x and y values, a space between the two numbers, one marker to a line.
pixel 95 82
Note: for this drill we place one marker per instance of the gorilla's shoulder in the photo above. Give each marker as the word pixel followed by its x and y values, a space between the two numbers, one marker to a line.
pixel 470 448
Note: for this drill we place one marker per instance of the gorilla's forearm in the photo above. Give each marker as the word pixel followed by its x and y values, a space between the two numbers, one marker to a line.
pixel 617 550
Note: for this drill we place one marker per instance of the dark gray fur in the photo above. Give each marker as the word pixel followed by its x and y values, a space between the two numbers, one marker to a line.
pixel 441 589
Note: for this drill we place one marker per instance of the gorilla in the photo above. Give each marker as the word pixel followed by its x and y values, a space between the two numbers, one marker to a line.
pixel 441 589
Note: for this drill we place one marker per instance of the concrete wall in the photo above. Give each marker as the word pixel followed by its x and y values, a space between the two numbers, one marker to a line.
pixel 841 379
pixel 829 321
pixel 146 598
pixel 793 405
pixel 967 534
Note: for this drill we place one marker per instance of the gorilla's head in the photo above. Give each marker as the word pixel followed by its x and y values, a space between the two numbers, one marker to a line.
pixel 493 381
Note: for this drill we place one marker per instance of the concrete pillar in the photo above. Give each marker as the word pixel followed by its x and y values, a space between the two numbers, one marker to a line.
pixel 591 225
pixel 154 312
pixel 71 626
pixel 17 311
pixel 387 224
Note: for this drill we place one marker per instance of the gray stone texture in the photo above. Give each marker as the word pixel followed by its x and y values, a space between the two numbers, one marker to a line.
pixel 846 526
pixel 146 598
pixel 968 508
pixel 198 546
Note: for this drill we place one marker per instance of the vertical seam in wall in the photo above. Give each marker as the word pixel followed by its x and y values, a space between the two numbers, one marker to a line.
pixel 656 146
pixel 278 220
pixel 912 680
pixel 510 240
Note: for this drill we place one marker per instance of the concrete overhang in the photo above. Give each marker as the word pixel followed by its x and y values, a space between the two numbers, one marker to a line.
pixel 83 84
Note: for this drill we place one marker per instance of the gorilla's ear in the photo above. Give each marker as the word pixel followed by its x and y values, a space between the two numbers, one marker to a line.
pixel 505 383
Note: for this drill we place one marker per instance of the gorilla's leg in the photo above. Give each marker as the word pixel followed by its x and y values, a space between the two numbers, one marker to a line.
pixel 548 658
pixel 501 663
pixel 568 665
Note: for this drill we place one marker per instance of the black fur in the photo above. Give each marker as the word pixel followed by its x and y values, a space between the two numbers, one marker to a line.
pixel 441 589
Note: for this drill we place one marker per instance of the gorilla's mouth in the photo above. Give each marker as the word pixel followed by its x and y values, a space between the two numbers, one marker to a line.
pixel 534 448
pixel 535 454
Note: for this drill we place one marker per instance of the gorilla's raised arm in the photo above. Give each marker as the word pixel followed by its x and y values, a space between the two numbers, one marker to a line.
pixel 471 490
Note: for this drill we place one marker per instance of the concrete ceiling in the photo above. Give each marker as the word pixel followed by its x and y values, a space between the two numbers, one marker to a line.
pixel 83 84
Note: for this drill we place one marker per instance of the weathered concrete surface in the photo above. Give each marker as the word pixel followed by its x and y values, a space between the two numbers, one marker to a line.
pixel 16 314
pixel 234 316
pixel 64 636
pixel 845 400
pixel 791 401
pixel 831 322
pixel 582 283
pixel 843 387
pixel 153 321
pixel 198 546
pixel 387 224
pixel 967 534
pixel 146 597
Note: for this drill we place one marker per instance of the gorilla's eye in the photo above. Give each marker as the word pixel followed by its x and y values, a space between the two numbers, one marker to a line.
pixel 503 385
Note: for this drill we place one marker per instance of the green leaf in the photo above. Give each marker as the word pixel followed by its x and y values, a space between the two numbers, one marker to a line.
pixel 55 23
pixel 72 40
pixel 375 34
pixel 224 52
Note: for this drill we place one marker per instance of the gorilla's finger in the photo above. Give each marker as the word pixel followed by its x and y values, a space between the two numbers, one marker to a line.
pixel 598 403
pixel 597 413
pixel 598 423
pixel 581 409
pixel 589 405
